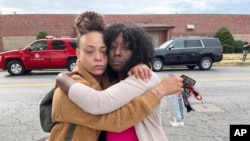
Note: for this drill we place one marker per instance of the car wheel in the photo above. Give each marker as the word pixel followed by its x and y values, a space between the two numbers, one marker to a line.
pixel 205 63
pixel 71 64
pixel 15 68
pixel 157 64
pixel 191 66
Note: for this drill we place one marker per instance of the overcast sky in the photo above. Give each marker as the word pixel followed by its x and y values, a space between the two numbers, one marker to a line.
pixel 125 6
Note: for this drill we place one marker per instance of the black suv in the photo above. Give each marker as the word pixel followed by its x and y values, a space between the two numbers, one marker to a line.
pixel 189 52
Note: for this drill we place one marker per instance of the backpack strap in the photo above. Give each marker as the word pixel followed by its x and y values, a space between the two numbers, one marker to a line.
pixel 71 132
pixel 72 126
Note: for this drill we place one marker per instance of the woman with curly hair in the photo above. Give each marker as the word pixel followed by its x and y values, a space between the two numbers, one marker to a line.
pixel 127 46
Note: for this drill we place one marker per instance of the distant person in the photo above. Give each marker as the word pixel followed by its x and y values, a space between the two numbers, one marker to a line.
pixel 246 47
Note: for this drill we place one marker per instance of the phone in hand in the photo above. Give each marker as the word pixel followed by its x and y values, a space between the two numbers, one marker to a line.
pixel 187 80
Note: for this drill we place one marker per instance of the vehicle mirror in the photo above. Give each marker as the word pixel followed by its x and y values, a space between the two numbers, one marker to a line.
pixel 170 47
pixel 29 48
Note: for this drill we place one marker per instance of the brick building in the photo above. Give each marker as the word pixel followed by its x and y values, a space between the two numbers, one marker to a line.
pixel 16 31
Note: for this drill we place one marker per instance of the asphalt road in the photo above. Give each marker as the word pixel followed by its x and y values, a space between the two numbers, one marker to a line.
pixel 225 92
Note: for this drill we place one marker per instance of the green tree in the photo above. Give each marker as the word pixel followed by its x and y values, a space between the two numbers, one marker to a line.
pixel 226 38
pixel 42 35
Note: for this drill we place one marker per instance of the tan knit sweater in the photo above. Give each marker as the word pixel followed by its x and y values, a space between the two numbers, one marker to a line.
pixel 89 126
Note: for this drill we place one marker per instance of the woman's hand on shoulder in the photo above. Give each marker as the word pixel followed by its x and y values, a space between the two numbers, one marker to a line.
pixel 64 81
pixel 141 71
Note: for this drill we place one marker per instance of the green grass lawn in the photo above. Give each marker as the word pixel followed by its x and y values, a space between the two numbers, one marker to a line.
pixel 233 60
pixel 235 56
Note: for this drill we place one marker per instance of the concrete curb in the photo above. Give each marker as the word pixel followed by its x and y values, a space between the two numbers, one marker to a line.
pixel 223 63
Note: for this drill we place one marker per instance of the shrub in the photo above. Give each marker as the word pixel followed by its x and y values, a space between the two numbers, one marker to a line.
pixel 42 35
pixel 238 44
pixel 228 48
pixel 226 38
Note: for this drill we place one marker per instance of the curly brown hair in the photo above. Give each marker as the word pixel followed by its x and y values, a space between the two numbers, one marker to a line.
pixel 89 21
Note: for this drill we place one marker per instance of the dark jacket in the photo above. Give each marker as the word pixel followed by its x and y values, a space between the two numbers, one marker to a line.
pixel 246 46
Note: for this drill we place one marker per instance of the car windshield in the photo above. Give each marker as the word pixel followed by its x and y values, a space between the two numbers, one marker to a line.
pixel 164 45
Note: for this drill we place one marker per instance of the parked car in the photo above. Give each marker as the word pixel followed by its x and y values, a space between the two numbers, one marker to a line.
pixel 190 52
pixel 50 53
